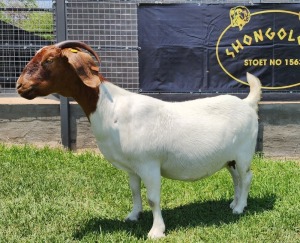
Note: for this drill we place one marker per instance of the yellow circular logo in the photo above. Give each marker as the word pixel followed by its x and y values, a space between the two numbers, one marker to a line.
pixel 240 17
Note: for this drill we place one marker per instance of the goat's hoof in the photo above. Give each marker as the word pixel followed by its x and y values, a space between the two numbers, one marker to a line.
pixel 238 210
pixel 133 217
pixel 233 204
pixel 156 234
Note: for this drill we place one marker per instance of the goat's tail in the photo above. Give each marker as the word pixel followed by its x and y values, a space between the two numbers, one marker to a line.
pixel 255 91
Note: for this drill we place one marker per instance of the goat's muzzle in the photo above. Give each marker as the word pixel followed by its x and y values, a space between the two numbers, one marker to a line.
pixel 26 91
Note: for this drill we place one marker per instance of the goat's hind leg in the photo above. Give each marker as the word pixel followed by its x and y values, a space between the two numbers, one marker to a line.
pixel 231 166
pixel 245 177
pixel 135 186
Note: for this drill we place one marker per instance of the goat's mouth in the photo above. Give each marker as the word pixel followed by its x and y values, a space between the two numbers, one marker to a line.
pixel 29 93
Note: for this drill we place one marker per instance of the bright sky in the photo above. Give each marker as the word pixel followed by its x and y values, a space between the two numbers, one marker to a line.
pixel 44 3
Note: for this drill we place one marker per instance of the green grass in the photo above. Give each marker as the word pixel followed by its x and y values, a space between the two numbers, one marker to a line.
pixel 50 195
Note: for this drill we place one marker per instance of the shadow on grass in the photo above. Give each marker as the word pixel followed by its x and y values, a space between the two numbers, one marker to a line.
pixel 194 214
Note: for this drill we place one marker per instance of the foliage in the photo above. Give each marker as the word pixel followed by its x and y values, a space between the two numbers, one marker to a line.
pixel 52 195
pixel 39 22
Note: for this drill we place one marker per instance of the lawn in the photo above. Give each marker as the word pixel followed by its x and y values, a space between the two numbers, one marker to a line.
pixel 51 195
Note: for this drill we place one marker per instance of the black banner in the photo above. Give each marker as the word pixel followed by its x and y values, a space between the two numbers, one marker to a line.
pixel 209 48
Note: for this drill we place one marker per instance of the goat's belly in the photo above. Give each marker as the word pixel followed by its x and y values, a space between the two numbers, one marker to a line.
pixel 190 171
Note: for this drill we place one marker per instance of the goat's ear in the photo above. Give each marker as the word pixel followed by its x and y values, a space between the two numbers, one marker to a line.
pixel 84 66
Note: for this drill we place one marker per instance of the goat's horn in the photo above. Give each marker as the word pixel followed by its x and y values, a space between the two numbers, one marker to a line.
pixel 73 44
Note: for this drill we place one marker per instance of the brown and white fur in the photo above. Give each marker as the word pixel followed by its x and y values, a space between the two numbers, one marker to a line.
pixel 149 138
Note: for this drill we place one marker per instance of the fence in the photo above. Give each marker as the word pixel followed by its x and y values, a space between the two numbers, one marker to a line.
pixel 111 29
pixel 24 28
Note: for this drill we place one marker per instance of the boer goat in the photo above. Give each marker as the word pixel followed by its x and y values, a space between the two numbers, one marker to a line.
pixel 147 137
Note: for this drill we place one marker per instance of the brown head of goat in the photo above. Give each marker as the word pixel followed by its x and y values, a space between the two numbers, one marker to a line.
pixel 64 69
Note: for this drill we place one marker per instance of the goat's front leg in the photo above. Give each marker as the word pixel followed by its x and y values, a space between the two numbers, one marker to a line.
pixel 152 180
pixel 135 186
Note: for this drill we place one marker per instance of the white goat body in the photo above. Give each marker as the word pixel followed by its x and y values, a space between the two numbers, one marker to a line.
pixel 189 140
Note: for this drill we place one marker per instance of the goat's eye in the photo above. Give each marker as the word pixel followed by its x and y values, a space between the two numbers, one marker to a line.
pixel 47 62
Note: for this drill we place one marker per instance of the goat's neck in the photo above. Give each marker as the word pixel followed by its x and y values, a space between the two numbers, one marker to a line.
pixel 87 98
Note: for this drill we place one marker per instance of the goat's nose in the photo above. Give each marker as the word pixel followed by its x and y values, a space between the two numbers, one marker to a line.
pixel 19 85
